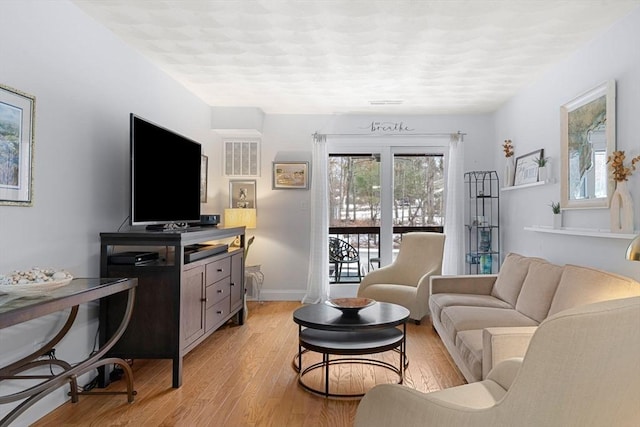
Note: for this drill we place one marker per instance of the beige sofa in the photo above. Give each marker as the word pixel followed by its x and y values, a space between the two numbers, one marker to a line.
pixel 581 369
pixel 484 319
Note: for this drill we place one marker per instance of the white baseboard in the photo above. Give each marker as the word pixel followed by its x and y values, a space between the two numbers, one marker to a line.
pixel 337 290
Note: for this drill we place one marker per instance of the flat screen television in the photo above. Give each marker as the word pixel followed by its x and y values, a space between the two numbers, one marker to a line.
pixel 165 176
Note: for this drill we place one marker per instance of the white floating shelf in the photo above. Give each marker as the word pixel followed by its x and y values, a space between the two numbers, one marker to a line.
pixel 586 232
pixel 517 187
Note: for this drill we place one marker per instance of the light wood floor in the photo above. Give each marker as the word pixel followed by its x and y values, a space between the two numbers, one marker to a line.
pixel 242 376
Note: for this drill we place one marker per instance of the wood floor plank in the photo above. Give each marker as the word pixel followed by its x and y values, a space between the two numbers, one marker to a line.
pixel 242 376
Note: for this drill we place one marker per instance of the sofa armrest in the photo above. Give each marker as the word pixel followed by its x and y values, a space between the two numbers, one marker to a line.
pixel 398 405
pixel 480 284
pixel 424 286
pixel 505 372
pixel 503 343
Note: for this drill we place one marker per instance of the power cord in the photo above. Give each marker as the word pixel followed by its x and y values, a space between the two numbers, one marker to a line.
pixel 124 222
pixel 90 385
pixel 51 354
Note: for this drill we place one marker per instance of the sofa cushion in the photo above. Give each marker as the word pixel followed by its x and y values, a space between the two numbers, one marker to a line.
pixel 538 289
pixel 469 346
pixel 511 277
pixel 439 301
pixel 584 285
pixel 396 294
pixel 463 318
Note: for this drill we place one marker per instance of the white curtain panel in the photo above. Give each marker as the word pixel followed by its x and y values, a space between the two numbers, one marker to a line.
pixel 318 280
pixel 454 221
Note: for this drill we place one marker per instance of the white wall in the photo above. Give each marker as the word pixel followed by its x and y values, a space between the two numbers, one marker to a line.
pixel 86 82
pixel 282 235
pixel 532 121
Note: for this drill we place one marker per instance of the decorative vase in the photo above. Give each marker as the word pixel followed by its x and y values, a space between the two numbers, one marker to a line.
pixel 485 264
pixel 542 173
pixel 557 220
pixel 621 209
pixel 509 171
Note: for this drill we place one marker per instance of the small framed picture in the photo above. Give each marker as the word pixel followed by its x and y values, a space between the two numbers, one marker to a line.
pixel 290 175
pixel 204 166
pixel 17 115
pixel 527 168
pixel 242 194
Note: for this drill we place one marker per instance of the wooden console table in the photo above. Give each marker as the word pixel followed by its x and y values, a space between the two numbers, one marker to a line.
pixel 17 310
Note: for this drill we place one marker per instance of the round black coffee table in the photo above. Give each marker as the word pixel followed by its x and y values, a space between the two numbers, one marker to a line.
pixel 324 329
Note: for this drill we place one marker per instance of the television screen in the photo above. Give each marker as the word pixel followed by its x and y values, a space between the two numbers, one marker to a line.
pixel 165 175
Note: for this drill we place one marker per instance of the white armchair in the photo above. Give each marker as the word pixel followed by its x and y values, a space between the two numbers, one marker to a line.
pixel 406 280
pixel 582 368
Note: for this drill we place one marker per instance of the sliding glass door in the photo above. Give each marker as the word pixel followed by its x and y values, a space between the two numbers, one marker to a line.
pixel 375 196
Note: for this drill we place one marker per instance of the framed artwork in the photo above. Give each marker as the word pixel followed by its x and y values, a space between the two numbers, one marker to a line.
pixel 588 138
pixel 17 118
pixel 242 194
pixel 204 171
pixel 527 168
pixel 290 175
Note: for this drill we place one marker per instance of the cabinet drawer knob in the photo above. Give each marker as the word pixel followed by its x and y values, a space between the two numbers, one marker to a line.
pixel 233 284
pixel 204 299
pixel 220 270
pixel 220 291
pixel 219 312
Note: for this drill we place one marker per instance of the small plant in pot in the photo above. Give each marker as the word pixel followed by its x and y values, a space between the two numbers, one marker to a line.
pixel 542 163
pixel 557 214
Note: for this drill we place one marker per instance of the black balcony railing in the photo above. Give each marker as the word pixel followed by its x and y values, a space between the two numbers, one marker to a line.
pixel 366 241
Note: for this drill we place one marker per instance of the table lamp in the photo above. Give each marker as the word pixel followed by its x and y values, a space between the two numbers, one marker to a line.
pixel 238 217
pixel 633 251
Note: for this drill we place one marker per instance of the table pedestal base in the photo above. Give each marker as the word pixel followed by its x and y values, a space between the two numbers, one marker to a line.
pixel 349 344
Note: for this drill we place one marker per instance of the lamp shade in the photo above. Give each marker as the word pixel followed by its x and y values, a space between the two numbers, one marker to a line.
pixel 237 217
pixel 633 251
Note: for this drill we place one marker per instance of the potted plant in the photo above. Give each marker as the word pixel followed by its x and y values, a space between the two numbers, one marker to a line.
pixel 509 166
pixel 542 168
pixel 557 214
pixel 621 210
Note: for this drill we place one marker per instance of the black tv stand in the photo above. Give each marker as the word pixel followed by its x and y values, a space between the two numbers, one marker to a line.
pixel 194 287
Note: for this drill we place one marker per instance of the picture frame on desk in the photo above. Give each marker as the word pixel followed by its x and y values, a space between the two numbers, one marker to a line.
pixel 17 118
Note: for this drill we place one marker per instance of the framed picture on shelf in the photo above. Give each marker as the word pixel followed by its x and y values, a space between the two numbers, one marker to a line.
pixel 242 194
pixel 290 175
pixel 204 166
pixel 17 115
pixel 527 168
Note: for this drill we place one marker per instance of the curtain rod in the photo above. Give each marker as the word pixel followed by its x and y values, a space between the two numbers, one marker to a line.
pixel 392 134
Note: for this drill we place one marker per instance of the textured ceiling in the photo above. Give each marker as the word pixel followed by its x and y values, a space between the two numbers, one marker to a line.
pixel 330 56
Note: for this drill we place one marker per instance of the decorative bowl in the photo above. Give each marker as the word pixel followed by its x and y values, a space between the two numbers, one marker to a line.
pixel 33 282
pixel 350 306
